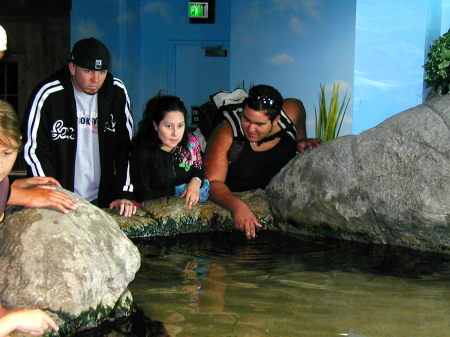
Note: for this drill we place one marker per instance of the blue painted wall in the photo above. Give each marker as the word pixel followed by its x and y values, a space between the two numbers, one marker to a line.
pixel 138 34
pixel 392 40
pixel 165 21
pixel 294 46
pixel 445 20
pixel 376 48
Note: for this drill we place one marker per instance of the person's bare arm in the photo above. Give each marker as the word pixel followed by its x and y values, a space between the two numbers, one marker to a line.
pixel 216 169
pixel 40 192
pixel 296 111
pixel 33 321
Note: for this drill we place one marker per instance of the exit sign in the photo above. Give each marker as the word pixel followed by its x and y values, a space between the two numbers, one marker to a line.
pixel 198 10
pixel 202 11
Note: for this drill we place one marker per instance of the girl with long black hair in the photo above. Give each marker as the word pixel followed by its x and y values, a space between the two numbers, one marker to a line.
pixel 166 159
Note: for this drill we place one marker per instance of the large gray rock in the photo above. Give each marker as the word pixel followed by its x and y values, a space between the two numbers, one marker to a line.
pixel 76 263
pixel 388 185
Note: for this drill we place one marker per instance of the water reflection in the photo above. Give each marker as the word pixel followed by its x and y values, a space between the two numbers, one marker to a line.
pixel 137 325
pixel 277 285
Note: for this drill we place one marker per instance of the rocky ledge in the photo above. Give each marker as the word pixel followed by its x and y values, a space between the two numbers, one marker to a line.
pixel 169 216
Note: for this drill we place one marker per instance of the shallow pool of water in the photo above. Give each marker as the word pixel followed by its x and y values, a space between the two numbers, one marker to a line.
pixel 278 285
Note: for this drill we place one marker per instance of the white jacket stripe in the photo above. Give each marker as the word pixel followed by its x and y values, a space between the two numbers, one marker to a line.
pixel 33 126
pixel 128 187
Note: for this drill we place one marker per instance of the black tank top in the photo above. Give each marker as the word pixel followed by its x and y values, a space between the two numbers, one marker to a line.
pixel 254 169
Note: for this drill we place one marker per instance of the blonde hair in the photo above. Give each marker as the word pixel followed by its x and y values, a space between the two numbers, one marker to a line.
pixel 10 135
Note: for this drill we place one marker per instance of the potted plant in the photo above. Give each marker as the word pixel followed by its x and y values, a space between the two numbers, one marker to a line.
pixel 329 119
pixel 437 67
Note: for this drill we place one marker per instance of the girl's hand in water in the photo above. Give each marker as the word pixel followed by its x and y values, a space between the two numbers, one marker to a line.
pixel 192 192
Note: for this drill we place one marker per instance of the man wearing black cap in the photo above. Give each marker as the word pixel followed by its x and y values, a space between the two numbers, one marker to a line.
pixel 256 139
pixel 79 128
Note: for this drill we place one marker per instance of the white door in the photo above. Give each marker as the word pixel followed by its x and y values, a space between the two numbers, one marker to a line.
pixel 197 70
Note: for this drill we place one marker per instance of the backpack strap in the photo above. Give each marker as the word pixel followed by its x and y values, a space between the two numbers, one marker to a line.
pixel 231 113
pixel 209 113
pixel 287 125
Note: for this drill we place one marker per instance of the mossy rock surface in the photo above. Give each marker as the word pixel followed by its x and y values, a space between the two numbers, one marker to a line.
pixel 169 216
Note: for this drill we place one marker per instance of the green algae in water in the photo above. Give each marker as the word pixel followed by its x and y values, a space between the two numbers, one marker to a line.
pixel 277 285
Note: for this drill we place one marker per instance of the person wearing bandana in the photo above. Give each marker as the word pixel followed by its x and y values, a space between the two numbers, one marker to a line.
pixel 247 149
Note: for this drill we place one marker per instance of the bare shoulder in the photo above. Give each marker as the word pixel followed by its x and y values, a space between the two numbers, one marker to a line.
pixel 221 138
pixel 294 108
pixel 293 103
pixel 219 143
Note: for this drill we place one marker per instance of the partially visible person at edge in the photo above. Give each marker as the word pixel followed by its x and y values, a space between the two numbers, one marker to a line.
pixel 3 42
pixel 265 132
pixel 31 321
pixel 79 127
pixel 166 159
pixel 29 192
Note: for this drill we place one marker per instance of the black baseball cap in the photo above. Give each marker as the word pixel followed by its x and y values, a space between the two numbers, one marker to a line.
pixel 90 54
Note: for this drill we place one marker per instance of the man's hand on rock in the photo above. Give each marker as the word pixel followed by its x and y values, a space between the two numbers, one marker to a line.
pixel 307 143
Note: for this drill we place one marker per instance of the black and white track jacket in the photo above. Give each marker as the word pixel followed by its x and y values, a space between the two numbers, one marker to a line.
pixel 50 131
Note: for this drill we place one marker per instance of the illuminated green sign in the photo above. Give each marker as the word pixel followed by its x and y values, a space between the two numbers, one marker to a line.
pixel 198 10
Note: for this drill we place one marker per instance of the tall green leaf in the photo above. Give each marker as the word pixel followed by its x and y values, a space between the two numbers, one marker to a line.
pixel 329 120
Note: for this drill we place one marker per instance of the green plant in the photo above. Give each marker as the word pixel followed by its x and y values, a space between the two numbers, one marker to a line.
pixel 438 65
pixel 329 119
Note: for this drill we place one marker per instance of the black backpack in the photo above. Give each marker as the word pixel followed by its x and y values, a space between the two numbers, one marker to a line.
pixel 211 113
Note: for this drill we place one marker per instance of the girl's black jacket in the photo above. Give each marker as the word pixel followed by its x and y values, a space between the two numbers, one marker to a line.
pixel 155 172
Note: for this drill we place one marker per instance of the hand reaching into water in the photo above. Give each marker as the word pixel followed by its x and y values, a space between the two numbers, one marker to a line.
pixel 246 221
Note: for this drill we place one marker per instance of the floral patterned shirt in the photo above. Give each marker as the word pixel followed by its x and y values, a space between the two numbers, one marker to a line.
pixel 190 157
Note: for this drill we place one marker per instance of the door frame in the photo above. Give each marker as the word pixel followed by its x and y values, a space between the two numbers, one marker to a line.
pixel 172 47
